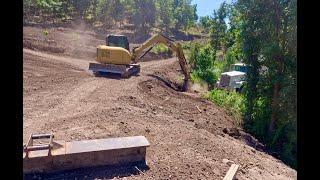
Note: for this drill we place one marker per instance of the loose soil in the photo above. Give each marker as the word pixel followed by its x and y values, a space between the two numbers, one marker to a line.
pixel 190 137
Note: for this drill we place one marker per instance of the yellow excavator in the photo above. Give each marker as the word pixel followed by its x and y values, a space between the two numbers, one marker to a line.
pixel 115 56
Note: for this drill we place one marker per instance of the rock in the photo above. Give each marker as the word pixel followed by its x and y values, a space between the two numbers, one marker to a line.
pixel 225 130
pixel 191 120
pixel 227 161
pixel 242 171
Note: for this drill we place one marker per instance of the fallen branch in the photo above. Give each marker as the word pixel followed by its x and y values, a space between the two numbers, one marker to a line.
pixel 166 99
pixel 198 109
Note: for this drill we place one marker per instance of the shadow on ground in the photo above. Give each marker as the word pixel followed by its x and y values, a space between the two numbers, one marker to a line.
pixel 100 172
pixel 111 75
pixel 173 85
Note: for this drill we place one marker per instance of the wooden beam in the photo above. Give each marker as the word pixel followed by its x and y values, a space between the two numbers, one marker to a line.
pixel 232 172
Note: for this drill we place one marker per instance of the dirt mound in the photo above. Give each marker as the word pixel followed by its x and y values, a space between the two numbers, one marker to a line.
pixel 46 45
pixel 132 101
pixel 65 41
pixel 203 114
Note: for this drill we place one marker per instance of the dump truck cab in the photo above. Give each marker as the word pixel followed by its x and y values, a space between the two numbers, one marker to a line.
pixel 241 67
pixel 233 79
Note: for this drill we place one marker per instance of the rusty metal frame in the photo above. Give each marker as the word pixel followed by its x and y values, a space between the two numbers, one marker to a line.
pixel 30 146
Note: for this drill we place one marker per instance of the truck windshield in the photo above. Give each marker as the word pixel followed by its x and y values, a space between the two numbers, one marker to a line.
pixel 240 68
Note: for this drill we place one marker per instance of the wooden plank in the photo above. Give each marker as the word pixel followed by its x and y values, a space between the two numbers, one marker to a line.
pixel 232 172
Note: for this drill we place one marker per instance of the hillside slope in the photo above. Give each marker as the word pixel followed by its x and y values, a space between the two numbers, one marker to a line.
pixel 62 97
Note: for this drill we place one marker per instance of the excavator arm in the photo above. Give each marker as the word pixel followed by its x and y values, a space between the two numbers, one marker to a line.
pixel 139 52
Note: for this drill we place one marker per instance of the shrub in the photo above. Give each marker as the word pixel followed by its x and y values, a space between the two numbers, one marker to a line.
pixel 160 49
pixel 231 101
pixel 202 63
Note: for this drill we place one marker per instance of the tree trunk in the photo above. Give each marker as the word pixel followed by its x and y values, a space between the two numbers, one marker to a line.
pixel 275 106
pixel 279 59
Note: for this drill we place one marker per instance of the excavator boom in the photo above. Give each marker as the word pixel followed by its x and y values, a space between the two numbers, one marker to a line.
pixel 176 47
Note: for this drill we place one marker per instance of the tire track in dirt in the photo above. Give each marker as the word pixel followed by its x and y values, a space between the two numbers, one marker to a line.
pixel 81 98
pixel 75 102
pixel 84 63
pixel 79 63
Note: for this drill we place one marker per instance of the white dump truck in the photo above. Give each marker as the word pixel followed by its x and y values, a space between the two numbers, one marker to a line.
pixel 233 80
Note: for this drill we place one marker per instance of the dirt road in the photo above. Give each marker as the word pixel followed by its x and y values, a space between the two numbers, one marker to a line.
pixel 62 97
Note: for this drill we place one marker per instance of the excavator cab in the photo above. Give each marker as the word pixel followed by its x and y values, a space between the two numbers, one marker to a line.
pixel 117 41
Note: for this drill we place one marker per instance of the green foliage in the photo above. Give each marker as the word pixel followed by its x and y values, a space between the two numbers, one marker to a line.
pixel 202 62
pixel 49 5
pixel 184 14
pixel 165 17
pixel 231 101
pixel 45 32
pixel 81 6
pixel 160 49
pixel 206 22
pixel 262 39
pixel 269 40
pixel 110 11
pixel 143 14
pixel 218 27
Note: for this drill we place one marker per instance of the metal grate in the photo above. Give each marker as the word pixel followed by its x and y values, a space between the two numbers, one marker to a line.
pixel 224 80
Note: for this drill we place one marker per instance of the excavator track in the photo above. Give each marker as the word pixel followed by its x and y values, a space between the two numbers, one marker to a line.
pixel 125 71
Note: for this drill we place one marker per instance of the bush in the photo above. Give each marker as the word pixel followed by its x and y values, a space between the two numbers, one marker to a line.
pixel 45 33
pixel 160 49
pixel 202 59
pixel 232 102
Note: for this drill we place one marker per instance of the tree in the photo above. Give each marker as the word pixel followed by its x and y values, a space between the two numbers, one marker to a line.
pixel 268 32
pixel 206 22
pixel 49 8
pixel 110 11
pixel 165 17
pixel 218 30
pixel 202 60
pixel 81 6
pixel 184 14
pixel 143 14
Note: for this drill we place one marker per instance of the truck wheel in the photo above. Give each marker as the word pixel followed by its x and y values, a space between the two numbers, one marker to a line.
pixel 241 89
